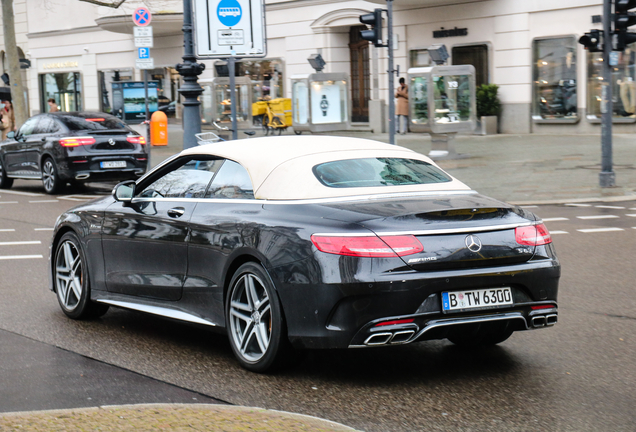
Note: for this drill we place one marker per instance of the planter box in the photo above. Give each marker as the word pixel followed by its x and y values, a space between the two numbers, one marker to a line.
pixel 487 125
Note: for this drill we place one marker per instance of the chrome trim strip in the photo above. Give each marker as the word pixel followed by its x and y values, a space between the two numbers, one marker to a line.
pixel 155 310
pixel 355 198
pixel 378 335
pixel 433 232
pixel 405 332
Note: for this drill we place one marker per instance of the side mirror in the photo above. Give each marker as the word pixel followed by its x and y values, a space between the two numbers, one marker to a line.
pixel 124 191
pixel 11 135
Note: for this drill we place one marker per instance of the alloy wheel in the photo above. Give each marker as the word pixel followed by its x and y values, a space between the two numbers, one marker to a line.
pixel 250 317
pixel 48 175
pixel 68 275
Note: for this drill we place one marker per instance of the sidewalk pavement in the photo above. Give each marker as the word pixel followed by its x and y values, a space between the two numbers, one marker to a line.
pixel 521 169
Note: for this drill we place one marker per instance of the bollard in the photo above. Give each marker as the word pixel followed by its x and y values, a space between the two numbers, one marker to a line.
pixel 159 129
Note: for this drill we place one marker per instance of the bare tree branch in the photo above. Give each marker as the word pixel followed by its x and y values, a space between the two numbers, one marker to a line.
pixel 114 4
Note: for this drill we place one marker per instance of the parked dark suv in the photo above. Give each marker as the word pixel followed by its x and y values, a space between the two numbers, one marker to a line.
pixel 72 147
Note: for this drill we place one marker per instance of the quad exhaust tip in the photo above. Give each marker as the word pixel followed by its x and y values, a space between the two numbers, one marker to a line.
pixel 544 320
pixel 389 338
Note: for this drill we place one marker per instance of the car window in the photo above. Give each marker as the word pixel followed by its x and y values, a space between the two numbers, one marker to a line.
pixel 43 126
pixel 96 122
pixel 187 180
pixel 371 172
pixel 232 181
pixel 28 127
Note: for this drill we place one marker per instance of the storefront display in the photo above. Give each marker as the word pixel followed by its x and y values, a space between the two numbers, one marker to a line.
pixel 320 102
pixel 623 85
pixel 216 105
pixel 554 76
pixel 442 99
pixel 64 88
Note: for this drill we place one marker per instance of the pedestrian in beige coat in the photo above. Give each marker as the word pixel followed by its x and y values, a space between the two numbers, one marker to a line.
pixel 402 106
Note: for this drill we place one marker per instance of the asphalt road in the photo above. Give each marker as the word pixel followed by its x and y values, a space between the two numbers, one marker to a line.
pixel 576 376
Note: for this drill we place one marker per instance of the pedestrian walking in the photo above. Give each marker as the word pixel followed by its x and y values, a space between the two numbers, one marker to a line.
pixel 8 119
pixel 52 105
pixel 402 109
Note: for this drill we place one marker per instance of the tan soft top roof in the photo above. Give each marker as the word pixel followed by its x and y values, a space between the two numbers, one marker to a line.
pixel 281 167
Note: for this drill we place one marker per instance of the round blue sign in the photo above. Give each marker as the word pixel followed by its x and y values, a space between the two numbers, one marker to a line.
pixel 229 12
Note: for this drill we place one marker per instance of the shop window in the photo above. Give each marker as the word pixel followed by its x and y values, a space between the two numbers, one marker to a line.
pixel 419 58
pixel 554 77
pixel 623 85
pixel 266 76
pixel 65 88
pixel 106 79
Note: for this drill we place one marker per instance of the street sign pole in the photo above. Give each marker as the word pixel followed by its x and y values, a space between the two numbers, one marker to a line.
pixel 231 63
pixel 389 4
pixel 191 90
pixel 149 144
pixel 607 177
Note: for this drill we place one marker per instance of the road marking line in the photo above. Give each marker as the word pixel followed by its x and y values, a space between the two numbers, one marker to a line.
pixel 43 201
pixel 8 202
pixel 598 217
pixel 529 206
pixel 579 205
pixel 21 193
pixel 555 219
pixel 79 197
pixel 7 230
pixel 559 232
pixel 595 230
pixel 610 207
pixel 631 215
pixel 12 257
pixel 43 229
pixel 17 243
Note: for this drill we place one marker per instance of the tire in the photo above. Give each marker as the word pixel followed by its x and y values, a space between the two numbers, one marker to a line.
pixel 254 320
pixel 50 178
pixel 298 132
pixel 72 282
pixel 481 335
pixel 5 182
pixel 266 127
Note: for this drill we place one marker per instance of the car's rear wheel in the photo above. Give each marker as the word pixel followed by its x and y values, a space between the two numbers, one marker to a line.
pixel 484 334
pixel 5 182
pixel 254 319
pixel 72 282
pixel 50 178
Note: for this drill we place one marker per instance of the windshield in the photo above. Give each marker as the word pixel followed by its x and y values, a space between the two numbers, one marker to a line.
pixel 92 122
pixel 371 172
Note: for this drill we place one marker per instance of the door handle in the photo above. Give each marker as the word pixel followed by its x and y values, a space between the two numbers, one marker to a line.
pixel 176 212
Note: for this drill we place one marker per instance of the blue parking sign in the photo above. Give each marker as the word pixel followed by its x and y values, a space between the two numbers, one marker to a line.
pixel 144 53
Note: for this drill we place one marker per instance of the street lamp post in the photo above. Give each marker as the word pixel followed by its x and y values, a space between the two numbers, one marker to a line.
pixel 191 90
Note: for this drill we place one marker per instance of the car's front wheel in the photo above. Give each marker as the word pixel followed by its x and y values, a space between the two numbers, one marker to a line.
pixel 72 282
pixel 50 178
pixel 5 182
pixel 254 319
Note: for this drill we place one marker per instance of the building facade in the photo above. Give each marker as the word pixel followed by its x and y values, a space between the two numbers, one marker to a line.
pixel 548 83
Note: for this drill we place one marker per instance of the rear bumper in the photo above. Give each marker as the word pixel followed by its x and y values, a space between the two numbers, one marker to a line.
pixel 88 168
pixel 347 314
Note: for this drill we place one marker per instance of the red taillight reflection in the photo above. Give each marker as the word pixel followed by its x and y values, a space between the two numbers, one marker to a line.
pixel 136 140
pixel 387 323
pixel 368 246
pixel 76 141
pixel 534 235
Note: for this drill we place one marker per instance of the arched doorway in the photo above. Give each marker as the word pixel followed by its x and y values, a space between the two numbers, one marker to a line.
pixel 360 75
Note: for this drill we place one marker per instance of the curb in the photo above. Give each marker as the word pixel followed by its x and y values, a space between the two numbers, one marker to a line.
pixel 167 416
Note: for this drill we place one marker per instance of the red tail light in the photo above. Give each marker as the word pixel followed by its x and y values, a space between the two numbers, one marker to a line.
pixel 394 322
pixel 136 140
pixel 534 235
pixel 76 141
pixel 368 246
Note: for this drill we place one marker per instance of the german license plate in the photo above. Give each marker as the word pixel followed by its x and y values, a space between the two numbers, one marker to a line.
pixel 476 299
pixel 113 164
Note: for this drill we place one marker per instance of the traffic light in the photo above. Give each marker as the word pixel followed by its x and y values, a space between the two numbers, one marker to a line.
pixel 592 41
pixel 375 33
pixel 623 19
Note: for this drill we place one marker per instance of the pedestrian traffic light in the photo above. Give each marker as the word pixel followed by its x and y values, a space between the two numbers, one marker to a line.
pixel 375 33
pixel 592 41
pixel 623 19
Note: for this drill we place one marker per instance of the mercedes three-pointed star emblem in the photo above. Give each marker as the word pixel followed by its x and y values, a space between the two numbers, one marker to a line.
pixel 473 243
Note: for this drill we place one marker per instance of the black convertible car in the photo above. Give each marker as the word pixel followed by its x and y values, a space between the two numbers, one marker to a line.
pixel 76 147
pixel 308 242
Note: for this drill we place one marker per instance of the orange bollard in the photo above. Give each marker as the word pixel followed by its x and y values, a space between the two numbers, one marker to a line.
pixel 159 129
